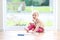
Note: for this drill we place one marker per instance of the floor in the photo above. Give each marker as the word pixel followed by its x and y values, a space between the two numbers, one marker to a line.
pixel 13 35
pixel 58 35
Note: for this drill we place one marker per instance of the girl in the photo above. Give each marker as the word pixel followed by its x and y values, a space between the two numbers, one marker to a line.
pixel 37 25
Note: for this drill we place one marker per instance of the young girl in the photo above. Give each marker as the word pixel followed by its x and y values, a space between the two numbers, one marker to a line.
pixel 37 25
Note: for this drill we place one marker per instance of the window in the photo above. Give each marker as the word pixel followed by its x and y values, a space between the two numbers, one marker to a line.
pixel 17 6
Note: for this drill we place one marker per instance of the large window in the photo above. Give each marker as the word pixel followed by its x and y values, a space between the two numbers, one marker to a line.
pixel 19 13
pixel 17 6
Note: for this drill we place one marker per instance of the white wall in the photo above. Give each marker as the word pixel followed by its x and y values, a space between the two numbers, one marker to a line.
pixel 1 16
pixel 58 14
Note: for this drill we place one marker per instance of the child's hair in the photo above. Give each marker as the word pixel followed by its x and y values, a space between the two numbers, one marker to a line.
pixel 36 12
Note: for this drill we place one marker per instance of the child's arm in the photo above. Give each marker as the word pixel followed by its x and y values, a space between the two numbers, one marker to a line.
pixel 41 23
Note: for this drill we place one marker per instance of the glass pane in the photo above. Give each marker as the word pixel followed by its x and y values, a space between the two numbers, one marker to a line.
pixel 17 6
pixel 19 13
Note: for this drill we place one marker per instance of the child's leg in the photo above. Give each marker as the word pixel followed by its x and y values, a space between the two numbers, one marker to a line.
pixel 40 30
pixel 33 30
pixel 30 27
pixel 27 30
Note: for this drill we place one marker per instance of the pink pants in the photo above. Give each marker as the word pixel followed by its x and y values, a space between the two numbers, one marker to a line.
pixel 40 30
pixel 32 26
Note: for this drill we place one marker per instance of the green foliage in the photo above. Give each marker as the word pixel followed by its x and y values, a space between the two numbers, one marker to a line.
pixel 37 2
pixel 28 2
pixel 21 0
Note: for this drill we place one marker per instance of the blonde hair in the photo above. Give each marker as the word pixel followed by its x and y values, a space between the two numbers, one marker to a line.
pixel 36 12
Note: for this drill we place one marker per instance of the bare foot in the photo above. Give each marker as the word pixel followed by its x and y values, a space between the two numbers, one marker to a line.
pixel 26 30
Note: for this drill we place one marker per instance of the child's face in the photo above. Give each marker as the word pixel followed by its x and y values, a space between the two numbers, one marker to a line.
pixel 35 15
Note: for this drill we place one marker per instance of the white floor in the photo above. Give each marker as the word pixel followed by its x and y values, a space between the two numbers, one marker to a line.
pixel 13 35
